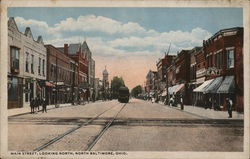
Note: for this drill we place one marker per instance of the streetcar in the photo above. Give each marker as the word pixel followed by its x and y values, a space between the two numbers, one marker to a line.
pixel 123 94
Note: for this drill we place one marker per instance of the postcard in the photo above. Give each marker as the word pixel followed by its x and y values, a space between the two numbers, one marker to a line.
pixel 124 79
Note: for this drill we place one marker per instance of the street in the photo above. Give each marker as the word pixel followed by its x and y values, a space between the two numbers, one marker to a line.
pixel 112 126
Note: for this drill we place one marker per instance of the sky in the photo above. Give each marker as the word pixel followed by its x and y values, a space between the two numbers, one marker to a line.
pixel 129 41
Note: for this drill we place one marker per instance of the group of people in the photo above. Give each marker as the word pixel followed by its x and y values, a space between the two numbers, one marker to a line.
pixel 173 102
pixel 210 103
pixel 35 103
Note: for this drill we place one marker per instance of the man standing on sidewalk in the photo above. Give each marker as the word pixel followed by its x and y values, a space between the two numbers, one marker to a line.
pixel 32 102
pixel 229 104
pixel 44 104
pixel 181 100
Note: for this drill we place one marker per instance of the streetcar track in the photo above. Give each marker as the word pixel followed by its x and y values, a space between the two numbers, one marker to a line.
pixel 70 131
pixel 92 144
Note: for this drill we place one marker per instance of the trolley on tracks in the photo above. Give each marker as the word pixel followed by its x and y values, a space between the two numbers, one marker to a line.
pixel 123 94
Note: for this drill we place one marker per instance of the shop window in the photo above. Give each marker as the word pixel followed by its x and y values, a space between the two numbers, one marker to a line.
pixel 12 89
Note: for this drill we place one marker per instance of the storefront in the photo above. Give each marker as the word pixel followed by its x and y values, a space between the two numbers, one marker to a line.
pixel 199 93
pixel 226 90
pixel 15 92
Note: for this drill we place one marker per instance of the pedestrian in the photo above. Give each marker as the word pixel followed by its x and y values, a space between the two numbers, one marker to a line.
pixel 181 102
pixel 93 96
pixel 210 103
pixel 171 101
pixel 44 104
pixel 38 102
pixel 87 95
pixel 229 104
pixel 32 102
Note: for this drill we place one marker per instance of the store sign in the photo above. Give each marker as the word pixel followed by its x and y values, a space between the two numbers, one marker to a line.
pixel 213 71
pixel 200 72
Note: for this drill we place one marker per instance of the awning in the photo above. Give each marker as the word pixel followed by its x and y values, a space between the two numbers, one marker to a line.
pixel 164 93
pixel 202 86
pixel 179 87
pixel 60 83
pixel 227 86
pixel 212 88
pixel 49 84
pixel 171 90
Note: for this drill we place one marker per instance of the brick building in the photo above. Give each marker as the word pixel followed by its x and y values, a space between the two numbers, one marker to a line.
pixel 193 67
pixel 58 73
pixel 77 53
pixel 200 76
pixel 182 76
pixel 224 64
pixel 162 66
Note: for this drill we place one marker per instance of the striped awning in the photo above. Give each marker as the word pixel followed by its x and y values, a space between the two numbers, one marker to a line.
pixel 212 88
pixel 164 93
pixel 203 86
pixel 227 86
pixel 179 88
pixel 172 89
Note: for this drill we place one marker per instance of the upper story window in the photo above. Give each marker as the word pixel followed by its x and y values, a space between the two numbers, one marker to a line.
pixel 51 70
pixel 210 60
pixel 39 66
pixel 27 62
pixel 43 67
pixel 218 60
pixel 15 52
pixel 32 64
pixel 230 58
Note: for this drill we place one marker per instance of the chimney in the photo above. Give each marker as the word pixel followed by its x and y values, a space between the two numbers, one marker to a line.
pixel 66 49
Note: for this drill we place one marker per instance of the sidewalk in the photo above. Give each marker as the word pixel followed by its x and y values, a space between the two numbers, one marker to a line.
pixel 208 113
pixel 26 110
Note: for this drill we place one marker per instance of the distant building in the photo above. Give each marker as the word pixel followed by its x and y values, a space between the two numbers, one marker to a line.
pixel 105 79
pixel 26 66
pixel 105 83
pixel 79 55
pixel 151 83
pixel 91 66
pixel 181 76
pixel 162 75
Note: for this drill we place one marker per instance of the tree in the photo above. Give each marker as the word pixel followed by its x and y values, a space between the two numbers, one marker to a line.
pixel 136 91
pixel 116 83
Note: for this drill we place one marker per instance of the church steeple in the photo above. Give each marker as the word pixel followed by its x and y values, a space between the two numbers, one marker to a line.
pixel 105 75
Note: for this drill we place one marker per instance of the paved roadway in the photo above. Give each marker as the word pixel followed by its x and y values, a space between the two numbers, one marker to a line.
pixel 112 126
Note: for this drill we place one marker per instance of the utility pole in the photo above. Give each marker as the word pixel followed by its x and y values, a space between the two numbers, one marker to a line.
pixel 167 65
pixel 73 84
pixel 56 105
